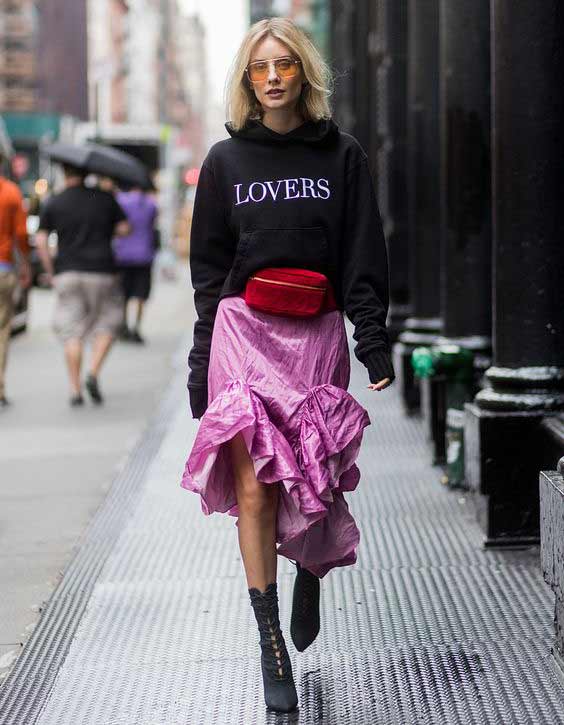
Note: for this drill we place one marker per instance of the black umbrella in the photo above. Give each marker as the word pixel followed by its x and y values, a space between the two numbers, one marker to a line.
pixel 103 160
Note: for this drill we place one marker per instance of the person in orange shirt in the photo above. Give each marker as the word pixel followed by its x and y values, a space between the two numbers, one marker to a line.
pixel 13 235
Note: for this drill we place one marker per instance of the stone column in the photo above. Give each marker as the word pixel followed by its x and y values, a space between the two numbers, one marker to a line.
pixel 343 60
pixel 391 24
pixel 465 202
pixel 465 174
pixel 526 381
pixel 423 192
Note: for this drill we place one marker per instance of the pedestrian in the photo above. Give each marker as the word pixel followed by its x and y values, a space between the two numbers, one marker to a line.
pixel 285 225
pixel 14 255
pixel 87 285
pixel 135 254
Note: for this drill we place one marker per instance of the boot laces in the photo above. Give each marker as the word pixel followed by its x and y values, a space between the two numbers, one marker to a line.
pixel 275 655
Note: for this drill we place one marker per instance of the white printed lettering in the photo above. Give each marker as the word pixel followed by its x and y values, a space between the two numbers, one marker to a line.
pixel 274 193
pixel 302 187
pixel 308 184
pixel 323 187
pixel 263 188
pixel 237 187
pixel 294 183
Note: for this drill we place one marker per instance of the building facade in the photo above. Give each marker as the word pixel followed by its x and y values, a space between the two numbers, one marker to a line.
pixel 146 65
pixel 312 15
pixel 18 66
pixel 40 90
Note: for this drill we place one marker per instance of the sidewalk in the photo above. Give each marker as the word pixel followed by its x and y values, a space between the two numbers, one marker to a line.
pixel 151 623
pixel 56 462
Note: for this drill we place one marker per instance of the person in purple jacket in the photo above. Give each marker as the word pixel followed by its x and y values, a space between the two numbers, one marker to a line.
pixel 134 255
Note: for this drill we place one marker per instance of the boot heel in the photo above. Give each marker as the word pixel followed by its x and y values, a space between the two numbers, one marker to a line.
pixel 279 688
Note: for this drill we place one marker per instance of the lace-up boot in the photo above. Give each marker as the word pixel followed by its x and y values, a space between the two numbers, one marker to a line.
pixel 305 622
pixel 279 689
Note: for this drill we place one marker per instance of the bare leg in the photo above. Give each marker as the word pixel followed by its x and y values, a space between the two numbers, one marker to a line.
pixel 125 305
pixel 102 344
pixel 139 317
pixel 73 356
pixel 258 506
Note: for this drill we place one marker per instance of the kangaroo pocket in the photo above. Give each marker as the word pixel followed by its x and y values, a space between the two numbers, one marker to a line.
pixel 305 248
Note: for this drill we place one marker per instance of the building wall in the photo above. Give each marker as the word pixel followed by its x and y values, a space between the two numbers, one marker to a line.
pixel 312 15
pixel 35 72
pixel 119 31
pixel 18 62
pixel 142 50
pixel 100 62
pixel 147 66
pixel 62 57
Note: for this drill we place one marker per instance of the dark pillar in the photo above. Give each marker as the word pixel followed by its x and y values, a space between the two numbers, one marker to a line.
pixel 465 173
pixel 344 61
pixel 465 207
pixel 362 80
pixel 526 381
pixel 392 129
pixel 374 57
pixel 423 190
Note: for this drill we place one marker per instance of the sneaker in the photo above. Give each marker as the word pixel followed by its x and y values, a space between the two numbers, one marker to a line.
pixel 124 333
pixel 76 401
pixel 134 336
pixel 91 385
pixel 4 402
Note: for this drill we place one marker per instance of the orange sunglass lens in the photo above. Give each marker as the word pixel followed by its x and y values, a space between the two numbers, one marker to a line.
pixel 285 68
pixel 258 72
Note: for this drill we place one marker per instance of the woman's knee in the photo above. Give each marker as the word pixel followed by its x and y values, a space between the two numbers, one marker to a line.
pixel 253 497
pixel 257 501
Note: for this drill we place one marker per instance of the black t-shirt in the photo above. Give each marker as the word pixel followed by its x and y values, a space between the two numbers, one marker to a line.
pixel 84 220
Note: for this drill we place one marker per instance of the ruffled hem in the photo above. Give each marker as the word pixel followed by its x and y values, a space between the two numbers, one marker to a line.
pixel 314 525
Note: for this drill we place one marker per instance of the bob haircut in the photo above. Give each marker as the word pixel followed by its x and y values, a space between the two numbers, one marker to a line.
pixel 241 102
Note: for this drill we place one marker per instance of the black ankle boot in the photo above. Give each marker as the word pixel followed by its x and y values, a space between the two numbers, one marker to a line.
pixel 279 689
pixel 305 622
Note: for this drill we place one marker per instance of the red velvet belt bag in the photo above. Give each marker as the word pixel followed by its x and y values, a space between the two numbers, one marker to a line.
pixel 289 292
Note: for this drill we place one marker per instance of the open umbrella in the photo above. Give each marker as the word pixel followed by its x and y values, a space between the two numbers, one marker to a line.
pixel 103 160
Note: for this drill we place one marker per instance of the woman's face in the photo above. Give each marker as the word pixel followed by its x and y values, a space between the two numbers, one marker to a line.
pixel 275 92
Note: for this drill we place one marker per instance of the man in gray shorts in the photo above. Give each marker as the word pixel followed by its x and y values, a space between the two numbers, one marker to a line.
pixel 89 298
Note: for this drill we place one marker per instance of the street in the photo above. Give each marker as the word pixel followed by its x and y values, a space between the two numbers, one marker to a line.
pixel 58 463
pixel 151 623
pixel 400 534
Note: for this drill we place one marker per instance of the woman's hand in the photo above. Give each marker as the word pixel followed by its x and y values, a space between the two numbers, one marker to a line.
pixel 379 385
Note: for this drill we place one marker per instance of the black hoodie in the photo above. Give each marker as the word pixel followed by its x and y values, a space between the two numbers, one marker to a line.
pixel 300 199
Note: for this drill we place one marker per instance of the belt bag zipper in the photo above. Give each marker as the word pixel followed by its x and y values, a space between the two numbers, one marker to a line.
pixel 289 284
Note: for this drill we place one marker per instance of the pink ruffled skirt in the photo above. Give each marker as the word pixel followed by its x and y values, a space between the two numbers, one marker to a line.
pixel 281 382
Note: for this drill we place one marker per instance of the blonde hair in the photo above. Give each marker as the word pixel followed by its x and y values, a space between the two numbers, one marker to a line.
pixel 240 100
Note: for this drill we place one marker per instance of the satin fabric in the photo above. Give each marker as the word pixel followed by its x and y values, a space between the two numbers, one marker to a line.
pixel 281 382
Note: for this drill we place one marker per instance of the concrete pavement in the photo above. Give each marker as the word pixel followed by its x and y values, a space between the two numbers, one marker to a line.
pixel 57 463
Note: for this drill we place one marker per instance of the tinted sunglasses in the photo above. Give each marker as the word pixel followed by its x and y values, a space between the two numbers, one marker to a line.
pixel 258 70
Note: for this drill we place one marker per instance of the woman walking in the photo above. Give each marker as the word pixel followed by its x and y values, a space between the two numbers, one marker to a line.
pixel 286 235
pixel 135 255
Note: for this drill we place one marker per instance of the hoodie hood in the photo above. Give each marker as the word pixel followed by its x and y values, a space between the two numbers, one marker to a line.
pixel 314 133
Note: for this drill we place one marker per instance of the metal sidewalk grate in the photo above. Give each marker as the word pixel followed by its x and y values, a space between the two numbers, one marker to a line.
pixel 155 627
pixel 26 689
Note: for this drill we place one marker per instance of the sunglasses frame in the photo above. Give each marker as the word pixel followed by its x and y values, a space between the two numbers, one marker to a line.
pixel 269 61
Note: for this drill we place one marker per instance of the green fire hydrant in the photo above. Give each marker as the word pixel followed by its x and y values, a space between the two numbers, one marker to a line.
pixel 456 363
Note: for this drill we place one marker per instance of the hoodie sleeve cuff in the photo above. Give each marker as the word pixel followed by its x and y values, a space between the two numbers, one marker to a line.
pixel 379 365
pixel 198 400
